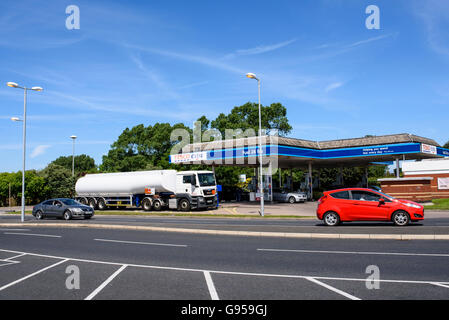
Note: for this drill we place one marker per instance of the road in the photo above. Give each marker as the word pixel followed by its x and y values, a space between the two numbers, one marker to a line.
pixel 126 264
pixel 435 223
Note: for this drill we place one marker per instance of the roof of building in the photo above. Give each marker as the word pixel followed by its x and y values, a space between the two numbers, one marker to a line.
pixel 319 145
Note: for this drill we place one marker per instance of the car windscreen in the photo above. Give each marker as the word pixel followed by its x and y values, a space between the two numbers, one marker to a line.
pixel 206 179
pixel 70 202
pixel 387 195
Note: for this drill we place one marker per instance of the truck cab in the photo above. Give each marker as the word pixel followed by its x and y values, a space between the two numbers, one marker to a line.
pixel 195 190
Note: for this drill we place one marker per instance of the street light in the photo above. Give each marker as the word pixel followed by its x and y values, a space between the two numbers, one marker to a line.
pixel 73 155
pixel 253 76
pixel 25 89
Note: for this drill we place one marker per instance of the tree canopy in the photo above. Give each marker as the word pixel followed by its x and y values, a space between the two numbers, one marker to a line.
pixel 274 117
pixel 141 147
pixel 83 164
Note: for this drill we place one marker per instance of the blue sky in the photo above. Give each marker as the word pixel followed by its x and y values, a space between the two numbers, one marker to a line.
pixel 135 62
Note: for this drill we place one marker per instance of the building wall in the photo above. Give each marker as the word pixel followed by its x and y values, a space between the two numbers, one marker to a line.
pixel 425 186
pixel 435 192
pixel 415 190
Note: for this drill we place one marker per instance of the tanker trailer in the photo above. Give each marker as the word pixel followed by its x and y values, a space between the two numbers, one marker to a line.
pixel 150 190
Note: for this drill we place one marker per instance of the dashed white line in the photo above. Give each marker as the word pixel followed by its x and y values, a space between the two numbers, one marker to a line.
pixel 210 285
pixel 104 284
pixel 144 243
pixel 33 274
pixel 345 294
pixel 33 234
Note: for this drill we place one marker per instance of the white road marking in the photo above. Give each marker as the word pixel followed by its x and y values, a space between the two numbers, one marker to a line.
pixel 210 285
pixel 15 257
pixel 14 229
pixel 360 252
pixel 32 234
pixel 104 284
pixel 33 274
pixel 230 272
pixel 145 243
pixel 345 294
pixel 440 284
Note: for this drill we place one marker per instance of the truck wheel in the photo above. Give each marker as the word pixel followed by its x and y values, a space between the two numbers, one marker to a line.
pixel 157 205
pixel 92 203
pixel 184 205
pixel 146 204
pixel 101 204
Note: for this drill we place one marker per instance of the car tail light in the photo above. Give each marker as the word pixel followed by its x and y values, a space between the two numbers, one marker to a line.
pixel 321 200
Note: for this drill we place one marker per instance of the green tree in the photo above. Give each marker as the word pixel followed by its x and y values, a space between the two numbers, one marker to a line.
pixel 34 187
pixel 141 147
pixel 274 117
pixel 59 181
pixel 83 164
pixel 446 145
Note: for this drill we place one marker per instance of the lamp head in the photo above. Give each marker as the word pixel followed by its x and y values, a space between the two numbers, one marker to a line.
pixel 12 84
pixel 73 137
pixel 37 88
pixel 251 76
pixel 15 119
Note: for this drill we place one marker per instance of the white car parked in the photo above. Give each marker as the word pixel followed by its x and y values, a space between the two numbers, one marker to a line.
pixel 291 197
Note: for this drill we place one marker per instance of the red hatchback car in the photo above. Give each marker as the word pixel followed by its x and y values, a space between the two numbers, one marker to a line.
pixel 359 204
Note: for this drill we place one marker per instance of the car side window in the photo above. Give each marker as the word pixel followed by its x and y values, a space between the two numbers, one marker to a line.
pixel 365 196
pixel 57 203
pixel 48 203
pixel 340 195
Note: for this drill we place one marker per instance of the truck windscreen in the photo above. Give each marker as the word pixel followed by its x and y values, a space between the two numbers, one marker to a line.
pixel 206 179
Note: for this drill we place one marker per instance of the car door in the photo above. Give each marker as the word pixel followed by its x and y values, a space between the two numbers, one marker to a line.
pixel 342 204
pixel 367 206
pixel 46 207
pixel 58 208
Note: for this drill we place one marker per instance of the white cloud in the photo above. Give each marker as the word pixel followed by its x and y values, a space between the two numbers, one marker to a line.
pixel 39 150
pixel 259 49
pixel 333 86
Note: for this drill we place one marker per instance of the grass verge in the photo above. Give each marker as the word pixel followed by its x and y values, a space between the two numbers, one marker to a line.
pixel 438 204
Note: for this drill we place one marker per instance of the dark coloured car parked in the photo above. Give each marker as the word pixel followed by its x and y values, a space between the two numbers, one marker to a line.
pixel 62 208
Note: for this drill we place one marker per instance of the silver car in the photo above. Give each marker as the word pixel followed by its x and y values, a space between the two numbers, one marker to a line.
pixel 291 197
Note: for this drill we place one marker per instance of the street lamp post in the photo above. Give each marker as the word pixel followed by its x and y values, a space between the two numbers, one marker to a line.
pixel 253 76
pixel 73 155
pixel 15 85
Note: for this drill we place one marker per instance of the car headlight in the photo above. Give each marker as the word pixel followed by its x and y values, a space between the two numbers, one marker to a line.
pixel 411 205
pixel 77 210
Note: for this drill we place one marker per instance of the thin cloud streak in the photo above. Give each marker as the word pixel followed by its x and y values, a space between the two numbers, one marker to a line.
pixel 259 49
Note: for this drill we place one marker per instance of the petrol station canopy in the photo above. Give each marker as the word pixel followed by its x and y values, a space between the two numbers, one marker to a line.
pixel 298 153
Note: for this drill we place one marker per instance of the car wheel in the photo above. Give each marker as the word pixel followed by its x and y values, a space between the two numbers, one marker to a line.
pixel 331 218
pixel 184 205
pixel 291 200
pixel 39 215
pixel 401 218
pixel 67 215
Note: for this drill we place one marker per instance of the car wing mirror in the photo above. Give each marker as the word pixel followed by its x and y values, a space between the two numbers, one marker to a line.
pixel 382 201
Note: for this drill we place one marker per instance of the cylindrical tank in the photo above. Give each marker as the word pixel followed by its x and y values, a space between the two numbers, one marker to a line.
pixel 126 183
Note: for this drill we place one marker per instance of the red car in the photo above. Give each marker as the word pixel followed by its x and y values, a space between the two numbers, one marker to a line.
pixel 359 204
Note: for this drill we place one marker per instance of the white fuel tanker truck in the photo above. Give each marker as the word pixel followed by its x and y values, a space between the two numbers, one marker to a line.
pixel 150 190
